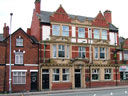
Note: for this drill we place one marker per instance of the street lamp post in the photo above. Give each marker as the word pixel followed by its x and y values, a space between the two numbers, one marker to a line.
pixel 10 88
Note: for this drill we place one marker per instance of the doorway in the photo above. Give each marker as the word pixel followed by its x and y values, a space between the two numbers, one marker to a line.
pixel 45 79
pixel 34 80
pixel 77 78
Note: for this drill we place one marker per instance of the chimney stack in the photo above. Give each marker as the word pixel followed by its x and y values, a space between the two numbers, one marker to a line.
pixel 107 15
pixel 37 6
pixel 5 31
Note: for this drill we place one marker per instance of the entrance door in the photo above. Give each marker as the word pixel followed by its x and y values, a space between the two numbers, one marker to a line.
pixel 45 79
pixel 77 78
pixel 33 80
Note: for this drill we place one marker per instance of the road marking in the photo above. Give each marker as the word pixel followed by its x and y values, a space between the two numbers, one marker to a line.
pixel 125 92
pixel 111 93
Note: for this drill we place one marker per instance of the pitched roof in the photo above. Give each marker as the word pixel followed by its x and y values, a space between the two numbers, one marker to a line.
pixel 1 37
pixel 45 18
pixel 113 28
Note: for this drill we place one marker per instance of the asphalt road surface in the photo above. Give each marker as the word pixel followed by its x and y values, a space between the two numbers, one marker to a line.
pixel 112 92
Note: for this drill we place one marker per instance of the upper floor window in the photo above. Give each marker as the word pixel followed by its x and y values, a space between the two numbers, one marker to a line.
pixel 18 57
pixel 81 52
pixel 81 32
pixel 125 54
pixel 104 34
pixel 61 51
pixel 65 30
pixel 96 52
pixel 96 34
pixel 56 30
pixel 19 77
pixel 19 41
pixel 102 53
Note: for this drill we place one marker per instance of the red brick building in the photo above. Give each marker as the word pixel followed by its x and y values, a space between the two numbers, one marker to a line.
pixel 24 61
pixel 75 51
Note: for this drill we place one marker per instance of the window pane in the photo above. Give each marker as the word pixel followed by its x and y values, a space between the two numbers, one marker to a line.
pixel 96 34
pixel 56 74
pixel 54 51
pixel 65 30
pixel 68 51
pixel 19 58
pixel 81 52
pixel 81 32
pixel 104 34
pixel 19 42
pixel 56 30
pixel 102 53
pixel 61 52
pixel 96 52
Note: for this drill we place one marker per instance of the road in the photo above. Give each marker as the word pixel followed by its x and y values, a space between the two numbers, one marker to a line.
pixel 112 92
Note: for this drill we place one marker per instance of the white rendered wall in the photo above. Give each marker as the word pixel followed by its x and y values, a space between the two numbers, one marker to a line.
pixel 46 32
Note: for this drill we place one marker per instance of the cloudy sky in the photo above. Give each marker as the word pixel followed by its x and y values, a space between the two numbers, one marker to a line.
pixel 22 11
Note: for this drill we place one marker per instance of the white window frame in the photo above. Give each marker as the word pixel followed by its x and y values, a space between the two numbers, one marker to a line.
pixel 19 41
pixel 68 50
pixel 61 48
pixel 54 51
pixel 96 33
pixel 19 79
pixel 95 72
pixel 96 53
pixel 65 30
pixel 81 51
pixel 81 32
pixel 108 72
pixel 55 73
pixel 126 55
pixel 66 73
pixel 102 52
pixel 56 30
pixel 19 58
pixel 104 34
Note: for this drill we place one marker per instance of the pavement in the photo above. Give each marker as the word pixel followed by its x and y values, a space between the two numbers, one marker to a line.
pixel 64 91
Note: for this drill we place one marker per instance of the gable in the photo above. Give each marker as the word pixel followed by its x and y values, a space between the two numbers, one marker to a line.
pixel 100 21
pixel 60 16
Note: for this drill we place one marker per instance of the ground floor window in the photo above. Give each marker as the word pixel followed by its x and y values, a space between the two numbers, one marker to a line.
pixel 19 77
pixel 65 74
pixel 107 74
pixel 56 74
pixel 95 74
pixel 124 75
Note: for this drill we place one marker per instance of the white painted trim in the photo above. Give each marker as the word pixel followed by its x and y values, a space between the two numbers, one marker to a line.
pixel 31 65
pixel 33 70
pixel 9 64
pixel 19 70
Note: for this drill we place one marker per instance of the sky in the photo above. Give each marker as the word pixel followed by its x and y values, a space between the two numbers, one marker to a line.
pixel 23 10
